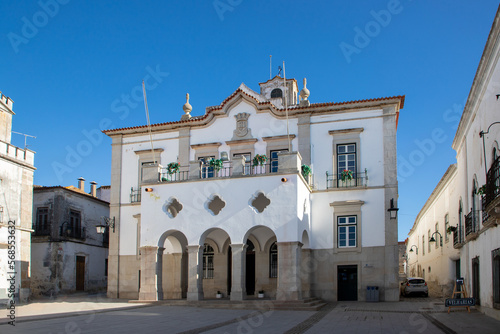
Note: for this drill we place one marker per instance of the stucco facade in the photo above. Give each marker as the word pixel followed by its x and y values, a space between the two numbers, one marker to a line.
pixel 240 228
pixel 470 191
pixel 16 191
pixel 67 252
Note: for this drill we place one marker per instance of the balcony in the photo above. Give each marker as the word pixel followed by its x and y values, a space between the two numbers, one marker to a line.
pixel 40 230
pixel 491 204
pixel 359 180
pixel 458 238
pixel 70 232
pixel 238 167
pixel 472 225
pixel 135 195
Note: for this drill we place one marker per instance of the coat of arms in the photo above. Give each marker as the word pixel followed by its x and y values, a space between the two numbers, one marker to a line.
pixel 242 131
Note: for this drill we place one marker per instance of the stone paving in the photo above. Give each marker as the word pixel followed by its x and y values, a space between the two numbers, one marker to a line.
pixel 101 315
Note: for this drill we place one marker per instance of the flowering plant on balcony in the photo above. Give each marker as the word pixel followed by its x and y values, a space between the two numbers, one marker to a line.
pixel 481 190
pixel 216 164
pixel 259 159
pixel 172 168
pixel 306 170
pixel 346 175
pixel 451 229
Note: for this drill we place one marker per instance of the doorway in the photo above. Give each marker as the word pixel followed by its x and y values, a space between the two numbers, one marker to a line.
pixel 347 282
pixel 475 279
pixel 250 268
pixel 80 273
pixel 229 269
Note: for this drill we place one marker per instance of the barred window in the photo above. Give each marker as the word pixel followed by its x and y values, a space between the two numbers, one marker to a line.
pixel 208 262
pixel 273 261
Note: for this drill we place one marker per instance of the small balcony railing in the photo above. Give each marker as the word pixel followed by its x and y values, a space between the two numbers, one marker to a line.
pixel 457 237
pixel 75 233
pixel 135 195
pixel 492 189
pixel 472 222
pixel 359 179
pixel 165 176
pixel 485 215
pixel 41 230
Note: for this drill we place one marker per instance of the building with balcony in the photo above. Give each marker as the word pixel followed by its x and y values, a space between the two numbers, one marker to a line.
pixel 67 252
pixel 438 262
pixel 16 191
pixel 470 193
pixel 263 192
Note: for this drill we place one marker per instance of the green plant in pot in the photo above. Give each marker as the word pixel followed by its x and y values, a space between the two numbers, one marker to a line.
pixel 216 164
pixel 259 159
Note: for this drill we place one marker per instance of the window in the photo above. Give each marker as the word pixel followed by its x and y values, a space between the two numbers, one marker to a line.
pixel 423 245
pixel 106 268
pixel 496 278
pixel 248 161
pixel 208 262
pixel 460 221
pixel 42 220
pixel 273 261
pixel 273 160
pixel 346 231
pixel 446 226
pixel 346 159
pixel 206 170
pixel 428 243
pixel 276 93
pixel 1 214
pixel 437 237
pixel 75 226
pixel 145 164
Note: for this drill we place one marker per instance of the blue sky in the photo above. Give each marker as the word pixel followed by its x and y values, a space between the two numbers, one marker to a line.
pixel 74 67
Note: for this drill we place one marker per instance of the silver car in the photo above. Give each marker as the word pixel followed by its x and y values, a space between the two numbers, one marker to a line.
pixel 414 285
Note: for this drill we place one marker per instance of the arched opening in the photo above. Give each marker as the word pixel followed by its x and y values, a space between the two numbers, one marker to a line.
pixel 276 93
pixel 172 265
pixel 250 268
pixel 216 263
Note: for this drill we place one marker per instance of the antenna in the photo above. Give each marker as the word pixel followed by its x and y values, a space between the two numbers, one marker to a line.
pixel 271 66
pixel 25 136
pixel 286 110
pixel 149 124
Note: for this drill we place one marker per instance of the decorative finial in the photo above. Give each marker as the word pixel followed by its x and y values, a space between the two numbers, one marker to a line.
pixel 304 94
pixel 187 109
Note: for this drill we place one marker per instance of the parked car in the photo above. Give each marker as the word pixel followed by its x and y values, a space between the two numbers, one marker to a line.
pixel 414 285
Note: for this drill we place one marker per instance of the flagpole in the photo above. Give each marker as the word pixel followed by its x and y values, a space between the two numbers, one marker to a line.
pixel 149 124
pixel 286 110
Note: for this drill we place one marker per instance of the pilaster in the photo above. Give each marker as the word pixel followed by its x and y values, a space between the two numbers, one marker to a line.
pixel 238 280
pixel 195 272
pixel 289 280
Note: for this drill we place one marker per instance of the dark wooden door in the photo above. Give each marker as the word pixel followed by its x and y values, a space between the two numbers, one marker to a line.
pixel 229 270
pixel 347 285
pixel 475 279
pixel 80 273
pixel 250 268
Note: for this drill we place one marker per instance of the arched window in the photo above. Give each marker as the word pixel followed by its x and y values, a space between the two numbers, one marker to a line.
pixel 446 226
pixel 276 93
pixel 273 261
pixel 460 222
pixel 208 262
pixel 474 215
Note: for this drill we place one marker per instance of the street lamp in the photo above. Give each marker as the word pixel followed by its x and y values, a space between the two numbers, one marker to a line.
pixel 393 211
pixel 101 228
pixel 411 249
pixel 481 135
pixel 434 240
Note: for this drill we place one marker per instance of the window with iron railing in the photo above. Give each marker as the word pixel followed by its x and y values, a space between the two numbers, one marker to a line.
pixel 135 195
pixel 208 262
pixel 492 189
pixel 42 225
pixel 273 261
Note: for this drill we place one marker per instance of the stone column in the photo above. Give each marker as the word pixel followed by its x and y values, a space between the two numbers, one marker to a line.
pixel 151 279
pixel 195 272
pixel 306 270
pixel 238 280
pixel 289 260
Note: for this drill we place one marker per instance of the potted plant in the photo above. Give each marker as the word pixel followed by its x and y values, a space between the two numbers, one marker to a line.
pixel 260 294
pixel 346 175
pixel 482 190
pixel 306 170
pixel 218 295
pixel 259 159
pixel 216 164
pixel 172 168
pixel 451 229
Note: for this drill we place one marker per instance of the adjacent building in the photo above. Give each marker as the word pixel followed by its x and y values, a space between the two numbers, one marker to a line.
pixel 265 192
pixel 467 198
pixel 16 191
pixel 67 252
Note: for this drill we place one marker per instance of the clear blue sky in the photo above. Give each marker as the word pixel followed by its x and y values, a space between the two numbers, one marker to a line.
pixel 69 66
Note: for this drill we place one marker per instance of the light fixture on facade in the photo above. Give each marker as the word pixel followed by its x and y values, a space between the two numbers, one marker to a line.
pixel 148 190
pixel 434 240
pixel 284 179
pixel 481 135
pixel 411 249
pixel 393 211
pixel 101 228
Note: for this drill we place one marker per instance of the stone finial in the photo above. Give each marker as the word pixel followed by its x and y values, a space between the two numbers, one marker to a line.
pixel 187 109
pixel 304 94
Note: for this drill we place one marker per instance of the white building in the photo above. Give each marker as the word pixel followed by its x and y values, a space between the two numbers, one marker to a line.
pixel 16 191
pixel 244 228
pixel 67 252
pixel 469 194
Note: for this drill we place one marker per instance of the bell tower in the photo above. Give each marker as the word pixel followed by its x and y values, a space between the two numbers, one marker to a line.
pixel 277 90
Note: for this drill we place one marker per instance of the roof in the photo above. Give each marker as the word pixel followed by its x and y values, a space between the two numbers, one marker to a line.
pixel 68 188
pixel 246 93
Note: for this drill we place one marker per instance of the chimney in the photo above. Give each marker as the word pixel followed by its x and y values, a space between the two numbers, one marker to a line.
pixel 81 184
pixel 93 188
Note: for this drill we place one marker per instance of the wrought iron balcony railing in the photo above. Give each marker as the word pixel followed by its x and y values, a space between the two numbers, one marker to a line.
pixel 135 195
pixel 492 189
pixel 472 222
pixel 76 233
pixel 41 230
pixel 357 180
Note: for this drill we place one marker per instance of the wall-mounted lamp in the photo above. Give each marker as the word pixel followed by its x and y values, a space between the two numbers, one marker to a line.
pixel 65 232
pixel 411 249
pixel 223 156
pixel 434 240
pixel 148 190
pixel 107 222
pixel 393 211
pixel 481 135
pixel 284 179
